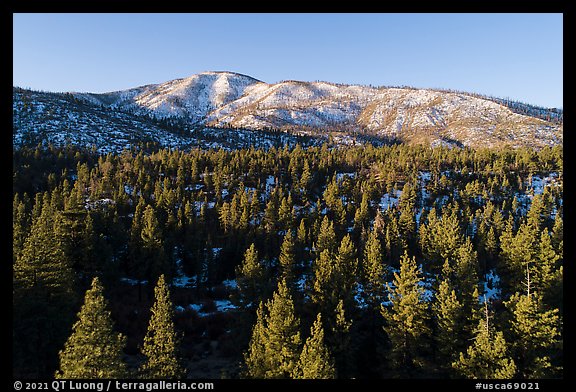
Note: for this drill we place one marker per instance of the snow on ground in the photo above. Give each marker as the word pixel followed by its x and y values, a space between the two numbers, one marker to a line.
pixel 359 297
pixel 390 201
pixel 216 251
pixel 301 283
pixel 184 281
pixel 181 280
pixel 222 305
pixel 230 284
pixel 133 282
pixel 340 176
pixel 539 183
pixel 491 289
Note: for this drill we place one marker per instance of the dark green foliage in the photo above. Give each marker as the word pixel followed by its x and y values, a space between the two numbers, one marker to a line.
pixel 374 271
pixel 488 356
pixel 275 344
pixel 95 349
pixel 161 342
pixel 287 260
pixel 407 319
pixel 250 276
pixel 315 216
pixel 44 295
pixel 448 314
pixel 534 336
pixel 315 360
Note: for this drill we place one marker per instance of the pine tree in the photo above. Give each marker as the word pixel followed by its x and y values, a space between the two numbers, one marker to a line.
pixel 301 234
pixel 535 213
pixel 345 268
pixel 407 220
pixel 322 287
pixel 487 357
pixel 306 178
pixel 43 261
pixel 302 241
pixel 287 260
pixel 135 242
pixel 441 237
pixel 255 358
pixel 326 237
pixel 518 251
pixel 285 213
pixel 44 295
pixel 270 220
pixel 558 233
pixel 374 271
pixel 94 350
pixel 547 273
pixel 534 332
pixel 152 245
pixel 275 344
pixel 407 318
pixel 362 215
pixel 20 226
pixel 448 315
pixel 250 276
pixel 283 326
pixel 339 340
pixel 161 342
pixel 315 361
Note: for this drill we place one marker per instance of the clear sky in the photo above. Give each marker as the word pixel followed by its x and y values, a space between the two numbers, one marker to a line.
pixel 519 56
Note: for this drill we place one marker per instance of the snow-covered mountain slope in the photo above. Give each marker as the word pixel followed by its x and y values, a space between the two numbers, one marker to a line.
pixel 59 119
pixel 229 100
pixel 192 98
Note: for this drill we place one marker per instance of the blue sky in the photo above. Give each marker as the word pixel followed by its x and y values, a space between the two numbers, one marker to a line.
pixel 519 56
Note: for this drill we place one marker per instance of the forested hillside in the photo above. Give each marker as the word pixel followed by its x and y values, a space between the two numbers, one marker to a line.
pixel 320 262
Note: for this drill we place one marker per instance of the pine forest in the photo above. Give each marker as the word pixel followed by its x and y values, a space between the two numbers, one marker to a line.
pixel 314 262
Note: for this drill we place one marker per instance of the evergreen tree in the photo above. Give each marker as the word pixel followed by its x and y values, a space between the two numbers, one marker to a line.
pixel 448 314
pixel 487 357
pixel 344 275
pixel 315 360
pixel 161 342
pixel 250 277
pixel 547 273
pixel 374 271
pixel 256 361
pixel 285 213
pixel 275 344
pixel 441 237
pixel 152 245
pixel 558 233
pixel 326 237
pixel 322 290
pixel 362 215
pixel 94 350
pixel 339 340
pixel 535 336
pixel 43 262
pixel 287 260
pixel 407 220
pixel 283 333
pixel 43 295
pixel 20 226
pixel 407 318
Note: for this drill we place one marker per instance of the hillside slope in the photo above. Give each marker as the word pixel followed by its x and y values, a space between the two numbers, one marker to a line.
pixel 226 100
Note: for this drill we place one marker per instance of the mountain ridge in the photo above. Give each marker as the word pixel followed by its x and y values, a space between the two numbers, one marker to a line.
pixel 224 99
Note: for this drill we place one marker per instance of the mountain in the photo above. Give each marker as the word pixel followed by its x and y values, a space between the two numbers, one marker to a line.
pixel 195 110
